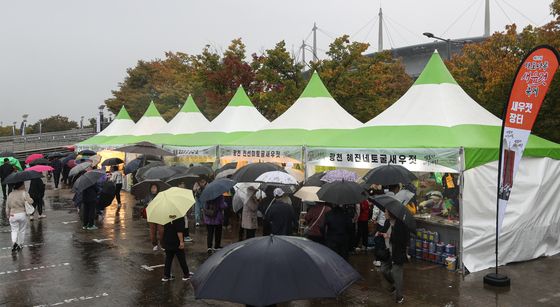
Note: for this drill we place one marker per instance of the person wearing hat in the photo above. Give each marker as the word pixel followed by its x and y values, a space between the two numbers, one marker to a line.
pixel 280 214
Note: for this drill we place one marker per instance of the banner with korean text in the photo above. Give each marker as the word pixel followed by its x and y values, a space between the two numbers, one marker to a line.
pixel 529 88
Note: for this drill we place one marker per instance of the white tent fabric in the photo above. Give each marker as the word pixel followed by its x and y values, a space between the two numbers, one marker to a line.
pixel 118 127
pixel 185 123
pixel 442 104
pixel 239 115
pixel 311 113
pixel 531 227
pixel 148 125
pixel 315 109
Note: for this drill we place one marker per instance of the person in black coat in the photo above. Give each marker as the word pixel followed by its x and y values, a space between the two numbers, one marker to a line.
pixel 174 245
pixel 393 270
pixel 337 230
pixel 89 205
pixel 5 170
pixel 57 165
pixel 37 192
pixel 280 215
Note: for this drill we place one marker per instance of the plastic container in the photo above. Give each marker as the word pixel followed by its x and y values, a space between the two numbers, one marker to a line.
pixel 432 247
pixel 451 263
pixel 419 232
pixel 418 243
pixel 430 236
pixel 450 249
pixel 440 248
pixel 425 235
pixel 418 253
pixel 425 245
pixel 436 236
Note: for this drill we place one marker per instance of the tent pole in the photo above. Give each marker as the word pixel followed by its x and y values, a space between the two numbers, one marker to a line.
pixel 461 189
pixel 304 160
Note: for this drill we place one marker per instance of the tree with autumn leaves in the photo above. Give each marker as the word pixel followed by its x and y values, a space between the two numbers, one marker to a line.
pixel 363 85
pixel 486 70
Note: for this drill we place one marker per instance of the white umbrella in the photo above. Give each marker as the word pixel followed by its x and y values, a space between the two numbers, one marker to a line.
pixel 277 177
pixel 299 175
pixel 243 192
pixel 308 194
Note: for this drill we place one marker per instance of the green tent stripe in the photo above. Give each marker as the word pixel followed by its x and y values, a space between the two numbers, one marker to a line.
pixel 123 114
pixel 152 111
pixel 315 88
pixel 190 106
pixel 435 72
pixel 240 99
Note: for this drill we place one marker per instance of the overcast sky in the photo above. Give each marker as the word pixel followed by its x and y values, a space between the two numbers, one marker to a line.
pixel 65 57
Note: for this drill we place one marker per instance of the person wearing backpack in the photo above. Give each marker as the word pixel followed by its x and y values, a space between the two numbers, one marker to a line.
pixel 213 212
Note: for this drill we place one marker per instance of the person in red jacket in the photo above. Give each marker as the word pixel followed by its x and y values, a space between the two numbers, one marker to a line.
pixel 363 231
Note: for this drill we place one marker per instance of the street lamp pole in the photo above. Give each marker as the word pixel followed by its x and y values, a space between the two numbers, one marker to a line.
pixel 447 40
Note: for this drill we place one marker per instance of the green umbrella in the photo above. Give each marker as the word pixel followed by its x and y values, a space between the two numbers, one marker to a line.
pixel 13 161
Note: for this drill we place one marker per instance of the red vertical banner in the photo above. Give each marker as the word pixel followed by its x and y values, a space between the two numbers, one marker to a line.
pixel 530 85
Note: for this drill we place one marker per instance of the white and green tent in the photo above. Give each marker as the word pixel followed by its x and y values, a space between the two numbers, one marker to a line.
pixel 188 120
pixel 121 125
pixel 314 117
pixel 150 122
pixel 436 126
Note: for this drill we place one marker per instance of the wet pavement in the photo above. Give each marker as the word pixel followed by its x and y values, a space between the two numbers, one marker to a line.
pixel 64 265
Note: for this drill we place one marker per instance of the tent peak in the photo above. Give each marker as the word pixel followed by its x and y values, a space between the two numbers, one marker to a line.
pixel 152 111
pixel 190 106
pixel 315 88
pixel 435 72
pixel 240 99
pixel 123 114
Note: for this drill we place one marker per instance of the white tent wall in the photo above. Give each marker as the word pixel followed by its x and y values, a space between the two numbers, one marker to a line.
pixel 531 226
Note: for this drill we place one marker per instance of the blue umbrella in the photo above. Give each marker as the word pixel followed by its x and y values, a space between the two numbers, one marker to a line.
pixel 132 166
pixel 216 188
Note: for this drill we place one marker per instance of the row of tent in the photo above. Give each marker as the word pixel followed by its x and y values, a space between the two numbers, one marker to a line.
pixel 434 114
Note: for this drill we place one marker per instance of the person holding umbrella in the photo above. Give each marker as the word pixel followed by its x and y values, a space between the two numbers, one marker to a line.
pixel 337 230
pixel 154 228
pixel 57 165
pixel 37 192
pixel 280 215
pixel 89 207
pixel 213 218
pixel 198 188
pixel 15 211
pixel 249 222
pixel 5 170
pixel 117 178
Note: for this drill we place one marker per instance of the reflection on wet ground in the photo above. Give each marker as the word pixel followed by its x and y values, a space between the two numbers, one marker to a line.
pixel 61 264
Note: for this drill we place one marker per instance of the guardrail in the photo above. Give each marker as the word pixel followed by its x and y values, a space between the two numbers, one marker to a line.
pixel 45 140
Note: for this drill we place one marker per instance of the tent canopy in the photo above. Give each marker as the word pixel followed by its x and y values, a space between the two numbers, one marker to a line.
pixel 437 113
pixel 121 125
pixel 312 119
pixel 188 120
pixel 150 122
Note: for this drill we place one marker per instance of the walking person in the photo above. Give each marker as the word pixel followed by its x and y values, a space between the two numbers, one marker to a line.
pixel 396 239
pixel 117 178
pixel 249 222
pixel 154 228
pixel 5 170
pixel 213 212
pixel 89 207
pixel 186 232
pixel 172 241
pixel 337 230
pixel 314 220
pixel 15 211
pixel 57 165
pixel 197 190
pixel 65 172
pixel 361 238
pixel 37 193
pixel 280 215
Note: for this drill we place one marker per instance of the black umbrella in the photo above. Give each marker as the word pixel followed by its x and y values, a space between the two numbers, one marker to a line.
pixel 179 168
pixel 159 172
pixel 70 156
pixel 274 269
pixel 141 189
pixel 250 172
pixel 397 208
pixel 315 180
pixel 149 157
pixel 132 166
pixel 87 152
pixel 21 177
pixel 87 180
pixel 389 174
pixel 55 155
pixel 188 180
pixel 140 172
pixel 5 154
pixel 78 169
pixel 216 188
pixel 112 161
pixel 40 161
pixel 200 170
pixel 231 165
pixel 145 148
pixel 342 193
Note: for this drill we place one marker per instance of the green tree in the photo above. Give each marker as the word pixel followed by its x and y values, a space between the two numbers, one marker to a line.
pixel 53 123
